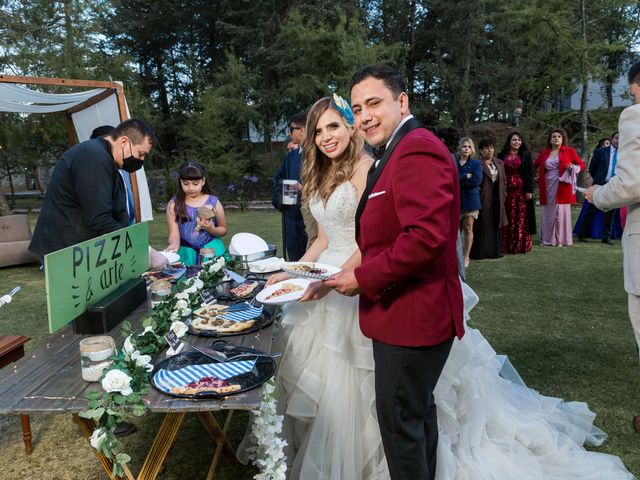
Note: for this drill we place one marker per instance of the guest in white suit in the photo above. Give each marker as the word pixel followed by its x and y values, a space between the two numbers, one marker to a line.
pixel 624 189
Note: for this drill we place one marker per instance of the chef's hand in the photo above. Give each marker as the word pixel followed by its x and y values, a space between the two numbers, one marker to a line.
pixel 588 193
pixel 277 277
pixel 344 282
pixel 315 291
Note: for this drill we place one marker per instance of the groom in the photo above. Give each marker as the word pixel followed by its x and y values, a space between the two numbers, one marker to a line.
pixel 410 293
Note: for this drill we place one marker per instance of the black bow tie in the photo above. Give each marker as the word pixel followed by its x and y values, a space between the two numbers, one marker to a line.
pixel 379 152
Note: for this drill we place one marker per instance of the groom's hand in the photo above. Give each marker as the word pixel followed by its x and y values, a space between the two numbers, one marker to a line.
pixel 344 282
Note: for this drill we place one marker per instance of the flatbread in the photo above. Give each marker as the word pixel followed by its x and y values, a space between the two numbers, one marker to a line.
pixel 220 325
pixel 244 290
pixel 206 384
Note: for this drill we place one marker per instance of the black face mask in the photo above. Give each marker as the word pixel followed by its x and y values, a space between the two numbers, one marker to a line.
pixel 131 164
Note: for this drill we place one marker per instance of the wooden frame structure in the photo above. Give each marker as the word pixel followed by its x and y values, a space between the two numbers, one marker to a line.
pixel 110 88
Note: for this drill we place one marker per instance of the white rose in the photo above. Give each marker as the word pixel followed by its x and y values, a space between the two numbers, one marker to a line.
pixel 179 328
pixel 199 284
pixel 182 304
pixel 98 437
pixel 182 296
pixel 117 381
pixel 128 346
pixel 146 329
pixel 144 361
pixel 217 265
pixel 191 289
pixel 174 315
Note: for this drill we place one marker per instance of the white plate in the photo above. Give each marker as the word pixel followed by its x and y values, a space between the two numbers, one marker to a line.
pixel 289 297
pixel 247 244
pixel 328 270
pixel 171 257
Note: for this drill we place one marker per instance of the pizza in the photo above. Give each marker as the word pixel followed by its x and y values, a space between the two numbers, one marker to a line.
pixel 285 289
pixel 301 267
pixel 210 311
pixel 220 325
pixel 206 384
pixel 244 290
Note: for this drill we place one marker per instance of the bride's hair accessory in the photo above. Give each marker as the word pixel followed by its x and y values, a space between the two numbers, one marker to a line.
pixel 343 107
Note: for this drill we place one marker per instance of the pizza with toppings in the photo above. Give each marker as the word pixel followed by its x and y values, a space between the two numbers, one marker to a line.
pixel 308 268
pixel 206 384
pixel 220 325
pixel 284 290
pixel 244 290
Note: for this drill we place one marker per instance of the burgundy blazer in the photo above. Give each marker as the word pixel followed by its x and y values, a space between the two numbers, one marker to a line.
pixel 410 293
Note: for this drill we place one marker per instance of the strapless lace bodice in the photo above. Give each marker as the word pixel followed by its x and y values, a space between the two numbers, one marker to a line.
pixel 337 219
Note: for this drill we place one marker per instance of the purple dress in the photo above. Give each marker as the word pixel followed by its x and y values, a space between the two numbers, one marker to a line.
pixel 192 240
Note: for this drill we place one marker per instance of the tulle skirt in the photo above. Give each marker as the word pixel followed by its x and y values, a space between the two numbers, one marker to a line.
pixel 492 427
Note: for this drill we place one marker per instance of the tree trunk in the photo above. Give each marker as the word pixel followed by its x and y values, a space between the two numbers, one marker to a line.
pixel 585 83
pixel 4 205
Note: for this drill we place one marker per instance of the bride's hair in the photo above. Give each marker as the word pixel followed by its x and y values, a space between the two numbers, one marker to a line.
pixel 320 174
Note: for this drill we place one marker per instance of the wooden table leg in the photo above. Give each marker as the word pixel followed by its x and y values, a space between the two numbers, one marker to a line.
pixel 87 426
pixel 222 446
pixel 26 433
pixel 218 434
pixel 165 438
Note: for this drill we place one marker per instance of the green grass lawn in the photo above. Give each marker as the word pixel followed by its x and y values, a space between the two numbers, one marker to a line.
pixel 558 313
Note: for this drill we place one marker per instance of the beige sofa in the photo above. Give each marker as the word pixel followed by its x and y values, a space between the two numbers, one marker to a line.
pixel 15 235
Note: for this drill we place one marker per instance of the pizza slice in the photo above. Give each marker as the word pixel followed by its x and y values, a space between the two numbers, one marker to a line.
pixel 284 290
pixel 206 384
pixel 244 290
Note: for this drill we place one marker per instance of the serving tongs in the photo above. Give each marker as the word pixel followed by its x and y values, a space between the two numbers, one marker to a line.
pixel 222 357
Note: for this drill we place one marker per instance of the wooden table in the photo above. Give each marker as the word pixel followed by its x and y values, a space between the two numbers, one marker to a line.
pixel 49 381
pixel 12 349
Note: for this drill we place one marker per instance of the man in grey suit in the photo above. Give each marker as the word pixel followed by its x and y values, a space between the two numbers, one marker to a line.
pixel 624 189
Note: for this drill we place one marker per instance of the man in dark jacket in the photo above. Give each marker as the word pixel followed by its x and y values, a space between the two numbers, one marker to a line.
pixel 601 168
pixel 295 236
pixel 86 196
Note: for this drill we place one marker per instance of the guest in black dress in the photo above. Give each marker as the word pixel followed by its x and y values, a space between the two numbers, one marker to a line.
pixel 487 242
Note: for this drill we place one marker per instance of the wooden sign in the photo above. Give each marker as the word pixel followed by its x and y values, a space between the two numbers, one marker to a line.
pixel 81 275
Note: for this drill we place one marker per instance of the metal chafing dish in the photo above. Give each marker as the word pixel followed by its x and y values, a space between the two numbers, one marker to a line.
pixel 242 261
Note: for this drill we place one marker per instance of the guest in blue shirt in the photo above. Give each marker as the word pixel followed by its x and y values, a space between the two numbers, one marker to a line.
pixel 470 176
pixel 294 234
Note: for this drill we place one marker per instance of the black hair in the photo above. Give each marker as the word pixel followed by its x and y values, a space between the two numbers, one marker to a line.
pixel 135 130
pixel 449 137
pixel 299 119
pixel 389 75
pixel 634 73
pixel 615 133
pixel 486 142
pixel 101 131
pixel 507 146
pixel 188 171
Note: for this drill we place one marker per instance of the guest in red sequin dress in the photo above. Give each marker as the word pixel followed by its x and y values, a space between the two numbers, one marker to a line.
pixel 518 167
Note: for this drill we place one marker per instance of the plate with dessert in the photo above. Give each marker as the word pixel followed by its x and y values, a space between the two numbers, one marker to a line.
pixel 315 270
pixel 283 292
pixel 196 375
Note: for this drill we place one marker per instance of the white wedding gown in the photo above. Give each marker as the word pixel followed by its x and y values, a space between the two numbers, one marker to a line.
pixel 490 427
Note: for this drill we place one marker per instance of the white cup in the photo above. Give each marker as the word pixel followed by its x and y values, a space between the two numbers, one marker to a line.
pixel 290 192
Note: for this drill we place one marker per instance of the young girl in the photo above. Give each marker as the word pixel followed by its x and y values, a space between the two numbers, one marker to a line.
pixel 189 231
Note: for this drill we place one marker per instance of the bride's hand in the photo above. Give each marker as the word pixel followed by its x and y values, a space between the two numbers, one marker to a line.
pixel 278 277
pixel 315 291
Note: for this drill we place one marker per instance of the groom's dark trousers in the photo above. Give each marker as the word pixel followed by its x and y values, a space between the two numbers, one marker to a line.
pixel 405 379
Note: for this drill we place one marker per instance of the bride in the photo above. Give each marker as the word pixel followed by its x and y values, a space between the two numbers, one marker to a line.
pixel 490 427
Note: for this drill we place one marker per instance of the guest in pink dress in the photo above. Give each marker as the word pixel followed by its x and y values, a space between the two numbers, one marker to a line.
pixel 559 165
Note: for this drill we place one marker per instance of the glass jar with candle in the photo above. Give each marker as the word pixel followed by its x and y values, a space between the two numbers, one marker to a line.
pixel 94 356
pixel 160 291
pixel 207 255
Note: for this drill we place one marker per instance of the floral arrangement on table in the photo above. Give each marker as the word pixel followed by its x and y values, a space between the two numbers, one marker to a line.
pixel 128 380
